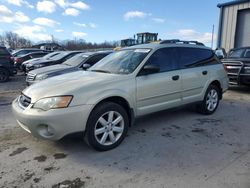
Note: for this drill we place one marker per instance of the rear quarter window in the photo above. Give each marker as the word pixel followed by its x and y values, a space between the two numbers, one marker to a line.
pixel 193 57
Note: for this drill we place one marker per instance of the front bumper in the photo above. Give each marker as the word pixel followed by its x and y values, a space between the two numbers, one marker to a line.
pixel 52 124
pixel 239 79
pixel 238 73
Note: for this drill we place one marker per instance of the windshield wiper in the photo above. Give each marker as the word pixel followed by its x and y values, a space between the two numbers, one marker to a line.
pixel 97 70
pixel 67 64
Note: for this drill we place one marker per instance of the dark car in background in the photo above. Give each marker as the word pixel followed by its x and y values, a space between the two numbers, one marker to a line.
pixel 237 64
pixel 24 51
pixel 48 56
pixel 57 59
pixel 80 61
pixel 20 59
pixel 7 68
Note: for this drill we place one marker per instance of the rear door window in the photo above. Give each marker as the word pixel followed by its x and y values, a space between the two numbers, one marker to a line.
pixel 165 59
pixel 93 60
pixel 192 57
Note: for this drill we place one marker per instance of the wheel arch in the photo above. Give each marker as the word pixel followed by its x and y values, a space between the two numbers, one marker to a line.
pixel 218 85
pixel 121 101
pixel 3 67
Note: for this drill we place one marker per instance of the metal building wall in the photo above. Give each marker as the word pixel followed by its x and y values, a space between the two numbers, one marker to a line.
pixel 228 24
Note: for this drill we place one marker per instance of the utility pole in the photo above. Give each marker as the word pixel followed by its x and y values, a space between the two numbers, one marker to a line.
pixel 212 43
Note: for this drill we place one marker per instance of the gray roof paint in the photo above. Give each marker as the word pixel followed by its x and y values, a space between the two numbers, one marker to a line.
pixel 157 46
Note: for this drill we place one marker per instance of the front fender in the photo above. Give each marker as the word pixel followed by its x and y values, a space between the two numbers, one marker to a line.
pixel 97 98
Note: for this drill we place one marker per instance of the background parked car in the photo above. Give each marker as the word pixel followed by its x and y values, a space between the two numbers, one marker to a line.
pixel 48 56
pixel 20 59
pixel 80 61
pixel 22 52
pixel 57 59
pixel 6 65
pixel 237 64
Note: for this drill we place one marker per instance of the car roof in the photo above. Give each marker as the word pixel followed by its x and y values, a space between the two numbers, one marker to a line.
pixel 36 49
pixel 164 45
pixel 97 52
pixel 39 52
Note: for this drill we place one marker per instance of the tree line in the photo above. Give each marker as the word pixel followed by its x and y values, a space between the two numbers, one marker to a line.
pixel 15 41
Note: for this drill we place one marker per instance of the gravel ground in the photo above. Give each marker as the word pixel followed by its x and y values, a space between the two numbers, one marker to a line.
pixel 173 148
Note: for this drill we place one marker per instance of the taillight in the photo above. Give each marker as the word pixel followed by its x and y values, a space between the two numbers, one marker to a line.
pixel 18 60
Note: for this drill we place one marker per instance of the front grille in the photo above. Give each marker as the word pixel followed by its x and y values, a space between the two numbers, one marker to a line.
pixel 24 101
pixel 30 77
pixel 233 67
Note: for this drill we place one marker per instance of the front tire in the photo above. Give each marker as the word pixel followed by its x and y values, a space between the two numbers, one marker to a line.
pixel 107 126
pixel 210 102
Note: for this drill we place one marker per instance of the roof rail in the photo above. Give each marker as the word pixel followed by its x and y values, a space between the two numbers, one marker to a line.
pixel 177 41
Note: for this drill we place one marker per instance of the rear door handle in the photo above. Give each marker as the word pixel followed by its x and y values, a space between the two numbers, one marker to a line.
pixel 204 72
pixel 176 77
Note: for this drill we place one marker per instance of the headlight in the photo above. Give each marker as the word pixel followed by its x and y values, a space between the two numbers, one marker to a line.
pixel 53 102
pixel 247 70
pixel 38 65
pixel 41 76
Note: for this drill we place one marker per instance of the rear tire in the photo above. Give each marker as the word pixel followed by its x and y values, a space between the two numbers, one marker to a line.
pixel 210 102
pixel 4 75
pixel 107 126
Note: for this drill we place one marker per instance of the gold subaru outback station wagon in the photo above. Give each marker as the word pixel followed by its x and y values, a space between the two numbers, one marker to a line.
pixel 103 101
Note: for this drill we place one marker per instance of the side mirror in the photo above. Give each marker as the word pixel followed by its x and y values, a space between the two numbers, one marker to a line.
pixel 86 66
pixel 149 69
pixel 220 56
pixel 220 53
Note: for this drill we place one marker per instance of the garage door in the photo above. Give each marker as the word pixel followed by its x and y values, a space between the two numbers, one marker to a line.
pixel 242 37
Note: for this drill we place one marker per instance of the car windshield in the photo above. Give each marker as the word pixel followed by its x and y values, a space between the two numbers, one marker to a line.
pixel 76 60
pixel 236 53
pixel 121 62
pixel 59 56
pixel 50 55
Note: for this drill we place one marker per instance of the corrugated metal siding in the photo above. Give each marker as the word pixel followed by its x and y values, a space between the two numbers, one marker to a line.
pixel 228 27
pixel 242 36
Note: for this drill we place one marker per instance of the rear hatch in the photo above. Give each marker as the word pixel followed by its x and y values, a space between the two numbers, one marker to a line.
pixel 6 59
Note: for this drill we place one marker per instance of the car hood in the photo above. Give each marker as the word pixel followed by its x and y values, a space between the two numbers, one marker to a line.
pixel 31 60
pixel 70 84
pixel 50 69
pixel 40 61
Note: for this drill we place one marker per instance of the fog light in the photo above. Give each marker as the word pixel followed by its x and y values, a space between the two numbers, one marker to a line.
pixel 247 70
pixel 45 131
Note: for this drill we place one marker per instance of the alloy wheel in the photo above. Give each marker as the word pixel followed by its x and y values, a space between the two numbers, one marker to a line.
pixel 212 100
pixel 109 128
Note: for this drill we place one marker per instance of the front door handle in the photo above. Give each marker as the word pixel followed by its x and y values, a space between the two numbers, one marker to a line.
pixel 176 77
pixel 204 72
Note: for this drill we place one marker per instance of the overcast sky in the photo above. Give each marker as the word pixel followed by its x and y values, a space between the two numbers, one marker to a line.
pixel 100 20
